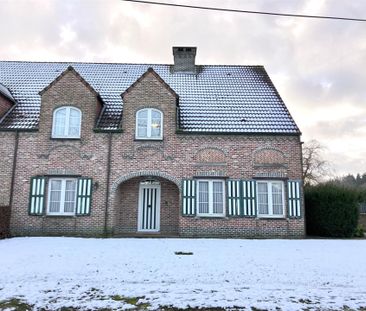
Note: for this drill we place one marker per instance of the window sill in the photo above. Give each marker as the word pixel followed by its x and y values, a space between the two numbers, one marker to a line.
pixel 211 216
pixel 60 215
pixel 65 138
pixel 271 217
pixel 148 139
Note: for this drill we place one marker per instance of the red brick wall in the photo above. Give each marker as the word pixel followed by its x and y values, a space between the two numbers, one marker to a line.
pixel 7 145
pixel 5 105
pixel 40 155
pixel 241 227
pixel 127 207
pixel 174 158
pixel 4 221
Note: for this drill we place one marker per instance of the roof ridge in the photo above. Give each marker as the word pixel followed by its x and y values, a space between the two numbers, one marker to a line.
pixel 116 63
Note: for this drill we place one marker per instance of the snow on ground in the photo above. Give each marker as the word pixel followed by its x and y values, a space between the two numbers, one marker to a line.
pixel 96 273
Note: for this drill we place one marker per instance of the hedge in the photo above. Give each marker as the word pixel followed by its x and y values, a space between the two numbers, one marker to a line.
pixel 331 210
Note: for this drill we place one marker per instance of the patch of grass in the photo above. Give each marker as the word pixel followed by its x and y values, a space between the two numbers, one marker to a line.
pixel 118 298
pixel 184 253
pixel 171 308
pixel 132 301
pixel 15 304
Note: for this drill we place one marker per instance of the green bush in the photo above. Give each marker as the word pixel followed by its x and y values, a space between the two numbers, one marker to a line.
pixel 331 210
pixel 359 232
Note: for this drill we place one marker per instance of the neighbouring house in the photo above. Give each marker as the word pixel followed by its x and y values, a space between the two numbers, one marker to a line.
pixel 136 149
pixel 362 216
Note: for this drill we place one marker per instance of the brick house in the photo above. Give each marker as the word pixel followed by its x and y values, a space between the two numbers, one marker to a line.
pixel 136 149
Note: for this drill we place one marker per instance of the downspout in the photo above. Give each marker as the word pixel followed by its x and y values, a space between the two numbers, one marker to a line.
pixel 108 180
pixel 15 157
pixel 303 184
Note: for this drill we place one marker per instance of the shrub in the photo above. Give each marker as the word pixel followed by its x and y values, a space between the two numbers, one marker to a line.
pixel 359 232
pixel 331 210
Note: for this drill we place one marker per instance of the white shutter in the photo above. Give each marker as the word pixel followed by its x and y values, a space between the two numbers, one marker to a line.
pixel 37 195
pixel 189 197
pixel 294 199
pixel 84 195
pixel 249 198
pixel 233 197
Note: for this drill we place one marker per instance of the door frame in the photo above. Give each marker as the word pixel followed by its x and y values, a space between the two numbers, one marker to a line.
pixel 149 185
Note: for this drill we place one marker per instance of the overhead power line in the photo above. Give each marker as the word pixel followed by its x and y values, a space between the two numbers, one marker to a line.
pixel 247 11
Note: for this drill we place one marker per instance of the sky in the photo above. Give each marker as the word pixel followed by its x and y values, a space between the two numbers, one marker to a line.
pixel 316 65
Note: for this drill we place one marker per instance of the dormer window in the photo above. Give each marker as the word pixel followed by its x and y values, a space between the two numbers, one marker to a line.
pixel 149 124
pixel 66 123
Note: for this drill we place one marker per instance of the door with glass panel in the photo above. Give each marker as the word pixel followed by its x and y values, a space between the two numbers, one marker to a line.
pixel 149 207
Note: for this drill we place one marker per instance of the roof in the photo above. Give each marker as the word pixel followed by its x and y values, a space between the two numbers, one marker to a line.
pixel 218 99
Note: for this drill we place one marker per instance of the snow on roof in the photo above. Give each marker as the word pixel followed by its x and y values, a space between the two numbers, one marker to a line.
pixel 218 99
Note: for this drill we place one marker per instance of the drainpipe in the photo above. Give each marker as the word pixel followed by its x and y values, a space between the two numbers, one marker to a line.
pixel 15 157
pixel 108 180
pixel 303 189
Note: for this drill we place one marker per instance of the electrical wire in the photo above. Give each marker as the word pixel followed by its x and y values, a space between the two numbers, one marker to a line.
pixel 247 11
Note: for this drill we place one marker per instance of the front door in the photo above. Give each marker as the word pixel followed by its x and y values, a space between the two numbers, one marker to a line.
pixel 149 207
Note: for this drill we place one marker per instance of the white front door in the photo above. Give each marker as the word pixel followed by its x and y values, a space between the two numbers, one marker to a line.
pixel 149 207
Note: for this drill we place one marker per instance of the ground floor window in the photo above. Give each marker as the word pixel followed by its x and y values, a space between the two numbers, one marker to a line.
pixel 211 195
pixel 61 196
pixel 270 198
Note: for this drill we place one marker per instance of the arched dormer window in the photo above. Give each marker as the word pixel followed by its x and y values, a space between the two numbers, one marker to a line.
pixel 149 124
pixel 66 122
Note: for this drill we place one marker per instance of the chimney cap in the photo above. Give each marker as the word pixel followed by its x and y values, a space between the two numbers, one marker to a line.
pixel 184 50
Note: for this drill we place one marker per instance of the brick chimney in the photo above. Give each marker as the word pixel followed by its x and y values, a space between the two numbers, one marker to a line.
pixel 184 59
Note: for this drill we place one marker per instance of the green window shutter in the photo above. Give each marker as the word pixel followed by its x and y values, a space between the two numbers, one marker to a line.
pixel 84 196
pixel 249 198
pixel 37 195
pixel 189 197
pixel 233 197
pixel 294 198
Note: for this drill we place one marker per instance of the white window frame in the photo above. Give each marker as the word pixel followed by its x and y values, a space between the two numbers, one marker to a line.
pixel 210 198
pixel 67 123
pixel 270 199
pixel 149 124
pixel 62 202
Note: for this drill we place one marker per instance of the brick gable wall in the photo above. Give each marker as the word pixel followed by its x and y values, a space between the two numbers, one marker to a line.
pixel 5 105
pixel 7 146
pixel 175 157
pixel 39 154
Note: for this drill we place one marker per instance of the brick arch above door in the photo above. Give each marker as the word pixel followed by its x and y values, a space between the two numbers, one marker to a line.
pixel 146 173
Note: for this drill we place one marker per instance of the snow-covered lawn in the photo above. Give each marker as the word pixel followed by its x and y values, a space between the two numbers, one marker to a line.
pixel 265 274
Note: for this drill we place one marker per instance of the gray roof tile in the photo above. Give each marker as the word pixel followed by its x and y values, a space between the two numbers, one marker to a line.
pixel 234 99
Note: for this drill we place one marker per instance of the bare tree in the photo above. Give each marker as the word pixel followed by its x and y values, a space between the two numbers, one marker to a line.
pixel 315 168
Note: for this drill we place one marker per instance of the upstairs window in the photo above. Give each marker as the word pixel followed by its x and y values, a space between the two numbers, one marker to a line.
pixel 66 123
pixel 270 199
pixel 149 124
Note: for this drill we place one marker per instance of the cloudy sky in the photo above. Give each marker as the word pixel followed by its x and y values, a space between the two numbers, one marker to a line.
pixel 318 66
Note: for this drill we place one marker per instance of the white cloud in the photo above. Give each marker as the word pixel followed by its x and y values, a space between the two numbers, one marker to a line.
pixel 67 35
